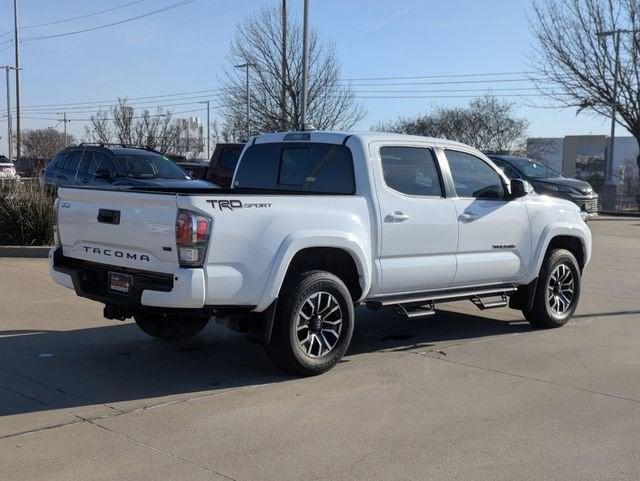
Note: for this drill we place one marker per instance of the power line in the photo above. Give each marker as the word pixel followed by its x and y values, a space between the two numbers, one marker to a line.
pixel 441 76
pixel 356 86
pixel 120 22
pixel 80 17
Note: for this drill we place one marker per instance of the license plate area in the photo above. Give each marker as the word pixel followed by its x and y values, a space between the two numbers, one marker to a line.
pixel 120 283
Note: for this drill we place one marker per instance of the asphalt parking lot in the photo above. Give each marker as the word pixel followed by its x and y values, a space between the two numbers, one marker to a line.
pixel 467 395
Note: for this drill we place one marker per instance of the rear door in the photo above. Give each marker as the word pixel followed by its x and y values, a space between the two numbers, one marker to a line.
pixel 134 230
pixel 494 231
pixel 419 233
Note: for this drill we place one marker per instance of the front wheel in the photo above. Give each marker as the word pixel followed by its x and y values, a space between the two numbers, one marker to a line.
pixel 557 291
pixel 171 327
pixel 313 324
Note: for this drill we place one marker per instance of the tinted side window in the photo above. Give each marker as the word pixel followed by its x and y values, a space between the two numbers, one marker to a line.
pixel 100 161
pixel 411 170
pixel 229 157
pixel 71 164
pixel 312 167
pixel 473 177
pixel 507 169
pixel 58 162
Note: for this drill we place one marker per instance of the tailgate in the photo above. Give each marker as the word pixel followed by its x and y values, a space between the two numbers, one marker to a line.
pixel 126 229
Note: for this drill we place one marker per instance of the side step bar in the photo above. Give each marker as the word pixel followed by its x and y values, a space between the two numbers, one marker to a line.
pixel 422 305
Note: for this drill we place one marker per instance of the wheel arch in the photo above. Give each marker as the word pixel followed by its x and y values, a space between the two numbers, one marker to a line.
pixel 564 236
pixel 337 253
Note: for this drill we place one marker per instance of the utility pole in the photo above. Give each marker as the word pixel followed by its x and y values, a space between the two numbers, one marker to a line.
pixel 246 67
pixel 9 126
pixel 283 85
pixel 305 66
pixel 609 197
pixel 65 120
pixel 17 69
pixel 208 102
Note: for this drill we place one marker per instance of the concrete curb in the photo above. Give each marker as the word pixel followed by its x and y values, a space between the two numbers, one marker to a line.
pixel 32 252
pixel 619 214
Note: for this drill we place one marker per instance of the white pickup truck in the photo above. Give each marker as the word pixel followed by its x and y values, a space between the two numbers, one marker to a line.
pixel 315 224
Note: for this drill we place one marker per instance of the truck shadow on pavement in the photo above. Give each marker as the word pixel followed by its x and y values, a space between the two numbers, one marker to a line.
pixel 44 370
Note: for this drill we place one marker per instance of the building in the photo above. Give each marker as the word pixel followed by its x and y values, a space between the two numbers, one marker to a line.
pixel 584 157
pixel 191 141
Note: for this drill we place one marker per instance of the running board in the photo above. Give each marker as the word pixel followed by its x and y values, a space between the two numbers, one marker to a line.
pixel 412 312
pixel 423 305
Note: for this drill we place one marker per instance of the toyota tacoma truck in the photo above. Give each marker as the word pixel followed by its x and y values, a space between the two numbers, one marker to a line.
pixel 313 225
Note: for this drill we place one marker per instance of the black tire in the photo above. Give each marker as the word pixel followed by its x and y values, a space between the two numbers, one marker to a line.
pixel 174 327
pixel 542 313
pixel 286 349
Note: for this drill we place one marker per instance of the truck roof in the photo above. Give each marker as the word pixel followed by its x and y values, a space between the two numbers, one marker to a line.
pixel 338 137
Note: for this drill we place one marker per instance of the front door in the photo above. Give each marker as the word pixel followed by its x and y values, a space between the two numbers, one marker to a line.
pixel 494 232
pixel 419 233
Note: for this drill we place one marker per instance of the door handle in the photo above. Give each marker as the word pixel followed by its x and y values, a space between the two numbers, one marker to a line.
pixel 465 217
pixel 396 216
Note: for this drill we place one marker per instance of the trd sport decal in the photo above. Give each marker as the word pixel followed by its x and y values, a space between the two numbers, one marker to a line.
pixel 234 204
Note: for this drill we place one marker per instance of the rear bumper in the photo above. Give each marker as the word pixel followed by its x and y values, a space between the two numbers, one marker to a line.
pixel 182 289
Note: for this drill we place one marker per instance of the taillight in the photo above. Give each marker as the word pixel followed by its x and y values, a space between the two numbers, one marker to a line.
pixel 192 238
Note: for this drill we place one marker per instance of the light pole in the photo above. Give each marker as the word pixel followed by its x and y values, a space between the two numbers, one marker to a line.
pixel 305 66
pixel 283 82
pixel 246 67
pixel 609 197
pixel 17 69
pixel 208 102
pixel 9 123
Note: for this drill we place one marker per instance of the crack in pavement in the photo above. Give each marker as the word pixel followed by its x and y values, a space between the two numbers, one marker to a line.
pixel 528 378
pixel 161 451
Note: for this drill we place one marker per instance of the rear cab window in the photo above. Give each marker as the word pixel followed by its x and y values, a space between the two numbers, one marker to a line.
pixel 229 157
pixel 297 166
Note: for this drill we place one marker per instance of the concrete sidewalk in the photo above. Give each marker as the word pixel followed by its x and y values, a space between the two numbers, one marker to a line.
pixel 467 395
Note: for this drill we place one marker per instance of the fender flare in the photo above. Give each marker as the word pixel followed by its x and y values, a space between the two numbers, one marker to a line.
pixel 297 241
pixel 551 231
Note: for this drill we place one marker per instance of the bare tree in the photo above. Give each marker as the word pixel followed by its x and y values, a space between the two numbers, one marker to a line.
pixel 258 42
pixel 44 143
pixel 577 66
pixel 154 130
pixel 486 124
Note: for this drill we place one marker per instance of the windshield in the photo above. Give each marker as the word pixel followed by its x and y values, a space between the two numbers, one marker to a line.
pixel 146 165
pixel 533 169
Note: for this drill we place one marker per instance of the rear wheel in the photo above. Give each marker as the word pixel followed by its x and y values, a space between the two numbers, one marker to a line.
pixel 313 325
pixel 557 290
pixel 174 327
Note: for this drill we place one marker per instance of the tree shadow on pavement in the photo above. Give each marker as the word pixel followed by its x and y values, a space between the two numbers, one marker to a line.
pixel 43 370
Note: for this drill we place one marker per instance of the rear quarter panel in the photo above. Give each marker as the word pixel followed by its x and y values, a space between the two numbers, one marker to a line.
pixel 254 238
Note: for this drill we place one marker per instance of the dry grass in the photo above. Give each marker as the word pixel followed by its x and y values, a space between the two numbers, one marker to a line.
pixel 26 214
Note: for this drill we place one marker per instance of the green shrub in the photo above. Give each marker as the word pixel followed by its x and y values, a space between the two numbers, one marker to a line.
pixel 26 214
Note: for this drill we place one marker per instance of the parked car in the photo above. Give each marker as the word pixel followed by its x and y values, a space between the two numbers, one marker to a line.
pixel 115 164
pixel 223 163
pixel 196 168
pixel 545 180
pixel 7 168
pixel 316 223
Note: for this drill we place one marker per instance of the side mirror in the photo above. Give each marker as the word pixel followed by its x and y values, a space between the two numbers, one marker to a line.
pixel 520 188
pixel 104 174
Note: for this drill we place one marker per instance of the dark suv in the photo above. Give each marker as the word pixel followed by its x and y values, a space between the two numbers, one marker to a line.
pixel 547 181
pixel 115 164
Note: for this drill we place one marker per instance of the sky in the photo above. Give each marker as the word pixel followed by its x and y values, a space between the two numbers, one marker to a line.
pixel 184 49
